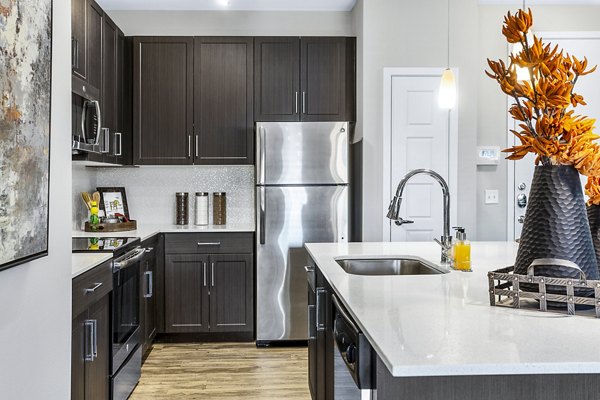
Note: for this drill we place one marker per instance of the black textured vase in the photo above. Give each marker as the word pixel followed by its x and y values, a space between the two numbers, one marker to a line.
pixel 556 226
pixel 593 213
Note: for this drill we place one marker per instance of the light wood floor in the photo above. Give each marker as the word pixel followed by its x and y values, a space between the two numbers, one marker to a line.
pixel 223 371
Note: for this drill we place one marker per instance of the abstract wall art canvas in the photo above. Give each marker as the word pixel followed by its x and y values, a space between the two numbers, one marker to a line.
pixel 25 82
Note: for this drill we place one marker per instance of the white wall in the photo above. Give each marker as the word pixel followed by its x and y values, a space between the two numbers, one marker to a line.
pixel 413 34
pixel 35 298
pixel 233 23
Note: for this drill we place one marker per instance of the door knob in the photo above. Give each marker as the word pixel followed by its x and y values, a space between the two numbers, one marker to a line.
pixel 522 200
pixel 521 219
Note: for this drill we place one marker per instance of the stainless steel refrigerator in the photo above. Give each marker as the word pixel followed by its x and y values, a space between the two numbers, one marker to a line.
pixel 301 197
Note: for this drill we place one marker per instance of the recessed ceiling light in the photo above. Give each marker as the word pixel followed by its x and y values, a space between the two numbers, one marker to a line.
pixel 224 3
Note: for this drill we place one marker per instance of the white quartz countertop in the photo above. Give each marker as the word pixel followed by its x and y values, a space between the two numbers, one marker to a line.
pixel 83 262
pixel 443 325
pixel 145 231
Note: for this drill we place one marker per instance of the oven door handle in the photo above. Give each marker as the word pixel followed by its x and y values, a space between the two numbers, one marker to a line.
pixel 129 259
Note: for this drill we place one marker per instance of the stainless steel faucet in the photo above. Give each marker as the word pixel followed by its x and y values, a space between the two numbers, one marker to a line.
pixel 394 209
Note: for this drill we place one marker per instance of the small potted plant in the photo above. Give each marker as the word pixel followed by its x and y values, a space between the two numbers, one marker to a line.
pixel 556 224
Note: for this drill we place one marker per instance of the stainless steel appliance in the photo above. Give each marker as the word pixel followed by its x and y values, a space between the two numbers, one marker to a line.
pixel 126 349
pixel 88 133
pixel 301 196
pixel 353 358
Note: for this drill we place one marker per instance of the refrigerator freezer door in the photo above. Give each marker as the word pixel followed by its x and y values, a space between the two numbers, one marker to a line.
pixel 302 153
pixel 288 218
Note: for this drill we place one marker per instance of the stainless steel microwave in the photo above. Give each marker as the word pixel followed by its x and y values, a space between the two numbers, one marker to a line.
pixel 88 134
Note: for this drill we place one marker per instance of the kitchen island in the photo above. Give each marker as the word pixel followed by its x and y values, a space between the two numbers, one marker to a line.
pixel 436 336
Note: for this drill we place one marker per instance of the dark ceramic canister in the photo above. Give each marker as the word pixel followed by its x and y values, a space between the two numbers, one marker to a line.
pixel 556 226
pixel 593 213
pixel 182 207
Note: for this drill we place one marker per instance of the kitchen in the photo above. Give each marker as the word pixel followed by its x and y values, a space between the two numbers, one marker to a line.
pixel 39 290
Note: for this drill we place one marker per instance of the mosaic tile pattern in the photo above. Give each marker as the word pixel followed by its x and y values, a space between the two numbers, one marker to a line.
pixel 151 190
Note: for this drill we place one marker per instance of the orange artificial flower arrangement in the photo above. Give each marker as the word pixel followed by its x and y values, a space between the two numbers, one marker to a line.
pixel 544 105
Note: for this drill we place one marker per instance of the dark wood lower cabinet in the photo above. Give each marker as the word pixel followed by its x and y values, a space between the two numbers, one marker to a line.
pixel 231 293
pixel 207 293
pixel 148 285
pixel 186 293
pixel 91 352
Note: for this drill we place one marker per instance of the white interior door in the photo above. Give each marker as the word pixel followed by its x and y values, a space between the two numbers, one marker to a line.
pixel 419 139
pixel 579 44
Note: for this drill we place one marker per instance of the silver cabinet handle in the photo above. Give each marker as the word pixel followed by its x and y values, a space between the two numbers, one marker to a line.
pixel 197 152
pixel 296 102
pixel 120 152
pixel 150 289
pixel 95 341
pixel 88 325
pixel 209 243
pixel 189 146
pixel 204 269
pixel 212 274
pixel 263 214
pixel 309 268
pixel 303 102
pixel 93 289
pixel 320 325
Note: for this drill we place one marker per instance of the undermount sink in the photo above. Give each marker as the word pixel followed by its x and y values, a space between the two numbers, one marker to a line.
pixel 389 266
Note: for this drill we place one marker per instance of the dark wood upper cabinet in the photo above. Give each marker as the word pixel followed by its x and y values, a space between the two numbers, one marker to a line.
pixel 231 293
pixel 223 94
pixel 327 78
pixel 277 79
pixel 123 138
pixel 306 79
pixel 163 100
pixel 78 35
pixel 94 23
pixel 186 293
pixel 108 103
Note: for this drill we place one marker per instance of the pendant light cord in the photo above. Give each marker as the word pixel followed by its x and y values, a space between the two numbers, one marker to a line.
pixel 448 1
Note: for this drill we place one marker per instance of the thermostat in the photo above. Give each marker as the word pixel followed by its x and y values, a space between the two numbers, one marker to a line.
pixel 488 155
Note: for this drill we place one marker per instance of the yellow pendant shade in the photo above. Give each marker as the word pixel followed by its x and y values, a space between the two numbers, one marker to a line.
pixel 447 96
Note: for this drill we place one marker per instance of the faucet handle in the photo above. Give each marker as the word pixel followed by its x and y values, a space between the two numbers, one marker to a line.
pixel 444 246
pixel 402 221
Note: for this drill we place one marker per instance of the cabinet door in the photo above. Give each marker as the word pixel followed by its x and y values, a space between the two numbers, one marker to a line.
pixel 163 100
pixel 78 348
pixel 148 303
pixel 109 85
pixel 78 56
pixel 186 293
pixel 94 16
pixel 276 79
pixel 231 293
pixel 324 79
pixel 97 383
pixel 223 95
pixel 123 136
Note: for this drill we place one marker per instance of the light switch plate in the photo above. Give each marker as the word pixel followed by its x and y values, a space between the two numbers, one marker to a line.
pixel 491 196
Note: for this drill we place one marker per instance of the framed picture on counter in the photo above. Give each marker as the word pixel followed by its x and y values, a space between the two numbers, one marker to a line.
pixel 113 201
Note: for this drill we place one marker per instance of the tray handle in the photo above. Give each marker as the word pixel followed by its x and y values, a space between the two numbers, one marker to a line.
pixel 555 262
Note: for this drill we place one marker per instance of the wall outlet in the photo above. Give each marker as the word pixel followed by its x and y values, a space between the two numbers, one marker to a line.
pixel 491 196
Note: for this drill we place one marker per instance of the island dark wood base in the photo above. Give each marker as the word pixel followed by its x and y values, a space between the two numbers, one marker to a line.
pixel 488 387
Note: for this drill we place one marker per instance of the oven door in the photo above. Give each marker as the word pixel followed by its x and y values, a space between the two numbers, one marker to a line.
pixel 126 311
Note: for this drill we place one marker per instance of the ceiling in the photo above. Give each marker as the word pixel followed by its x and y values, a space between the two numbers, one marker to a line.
pixel 254 5
pixel 541 2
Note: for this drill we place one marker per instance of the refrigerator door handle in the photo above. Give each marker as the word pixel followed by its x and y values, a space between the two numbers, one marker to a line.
pixel 262 146
pixel 262 216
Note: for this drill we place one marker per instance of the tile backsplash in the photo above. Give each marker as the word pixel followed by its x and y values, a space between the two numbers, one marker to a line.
pixel 84 180
pixel 151 190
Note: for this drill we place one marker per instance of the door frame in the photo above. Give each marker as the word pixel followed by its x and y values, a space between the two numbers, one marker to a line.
pixel 511 139
pixel 388 75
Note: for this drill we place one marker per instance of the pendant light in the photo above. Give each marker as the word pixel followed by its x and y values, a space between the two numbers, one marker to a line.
pixel 522 72
pixel 447 95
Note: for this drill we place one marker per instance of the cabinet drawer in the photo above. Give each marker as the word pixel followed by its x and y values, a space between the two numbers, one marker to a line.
pixel 91 287
pixel 213 243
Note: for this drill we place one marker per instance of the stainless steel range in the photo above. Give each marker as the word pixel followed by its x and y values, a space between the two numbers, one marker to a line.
pixel 126 349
